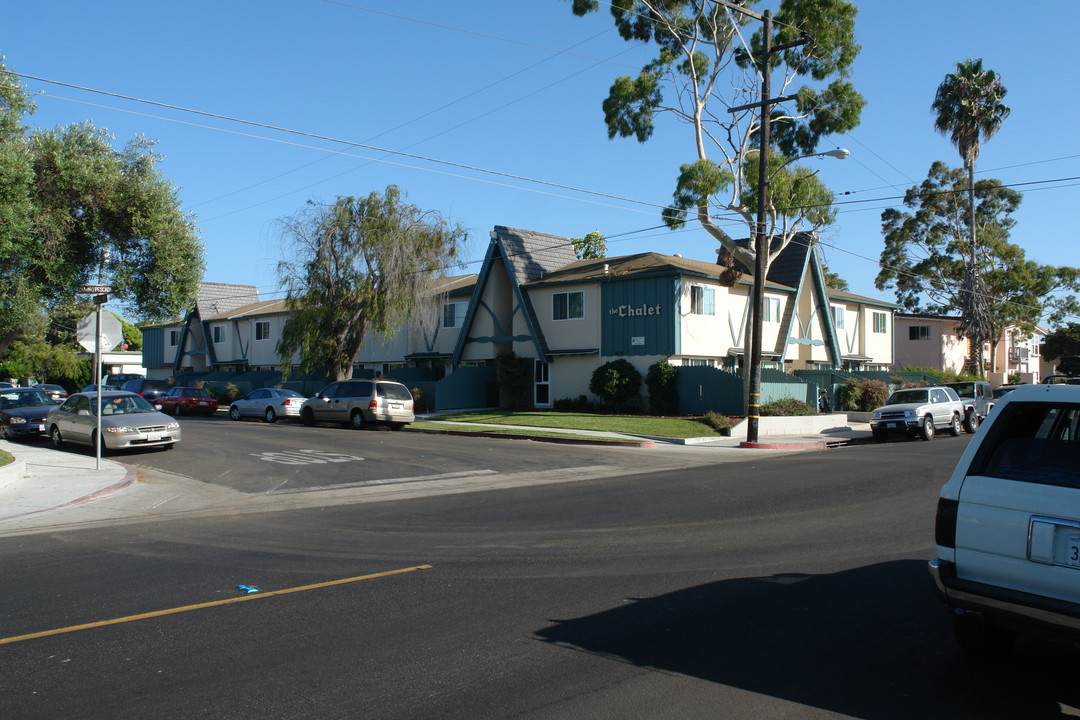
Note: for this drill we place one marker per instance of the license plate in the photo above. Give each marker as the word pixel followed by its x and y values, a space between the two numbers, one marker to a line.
pixel 39 428
pixel 395 406
pixel 1072 551
pixel 153 437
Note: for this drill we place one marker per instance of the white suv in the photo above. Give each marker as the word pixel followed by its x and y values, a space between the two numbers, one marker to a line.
pixel 1008 523
pixel 918 411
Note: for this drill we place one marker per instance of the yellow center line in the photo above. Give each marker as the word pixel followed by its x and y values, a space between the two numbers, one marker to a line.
pixel 203 606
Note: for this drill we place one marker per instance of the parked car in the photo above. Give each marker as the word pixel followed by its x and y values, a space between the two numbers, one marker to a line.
pixel 358 402
pixel 269 404
pixel 127 421
pixel 918 411
pixel 23 411
pixel 978 399
pixel 56 392
pixel 1008 524
pixel 1000 390
pixel 187 400
pixel 93 388
pixel 149 389
pixel 5 384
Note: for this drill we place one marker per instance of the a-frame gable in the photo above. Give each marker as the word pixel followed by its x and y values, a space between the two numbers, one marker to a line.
pixel 496 257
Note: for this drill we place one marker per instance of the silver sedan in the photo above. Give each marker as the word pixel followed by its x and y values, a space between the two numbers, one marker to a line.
pixel 127 421
pixel 268 404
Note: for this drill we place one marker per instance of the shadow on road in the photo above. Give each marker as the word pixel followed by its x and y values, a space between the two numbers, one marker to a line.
pixel 871 642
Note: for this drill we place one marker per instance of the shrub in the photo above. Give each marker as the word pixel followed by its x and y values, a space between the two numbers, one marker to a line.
pixel 786 407
pixel 662 380
pixel 717 421
pixel 863 395
pixel 515 377
pixel 580 404
pixel 420 403
pixel 615 383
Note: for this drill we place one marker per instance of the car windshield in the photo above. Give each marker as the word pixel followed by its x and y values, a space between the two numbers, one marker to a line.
pixel 196 393
pixel 24 398
pixel 123 405
pixel 904 397
pixel 964 389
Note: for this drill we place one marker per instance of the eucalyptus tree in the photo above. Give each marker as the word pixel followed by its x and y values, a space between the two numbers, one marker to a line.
pixel 358 266
pixel 926 255
pixel 703 66
pixel 969 107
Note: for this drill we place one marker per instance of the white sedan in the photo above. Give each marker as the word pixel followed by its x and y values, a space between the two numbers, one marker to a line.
pixel 268 404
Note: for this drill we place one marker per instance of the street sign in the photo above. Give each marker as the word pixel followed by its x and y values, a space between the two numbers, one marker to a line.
pixel 95 289
pixel 112 333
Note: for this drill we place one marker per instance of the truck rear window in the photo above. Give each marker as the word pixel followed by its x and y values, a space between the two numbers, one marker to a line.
pixel 1033 442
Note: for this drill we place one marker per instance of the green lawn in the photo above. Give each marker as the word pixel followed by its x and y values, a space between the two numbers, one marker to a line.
pixel 629 424
pixel 6 458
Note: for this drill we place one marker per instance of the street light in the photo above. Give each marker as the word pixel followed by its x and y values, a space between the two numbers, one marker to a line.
pixel 761 251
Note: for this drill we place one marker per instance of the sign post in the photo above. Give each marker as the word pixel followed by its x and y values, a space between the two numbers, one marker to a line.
pixel 100 293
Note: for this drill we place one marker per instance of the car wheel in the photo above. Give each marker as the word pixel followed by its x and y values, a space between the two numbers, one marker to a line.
pixel 56 437
pixel 4 431
pixel 356 420
pixel 166 447
pixel 971 421
pixel 307 417
pixel 881 435
pixel 954 426
pixel 270 415
pixel 978 637
pixel 927 430
pixel 234 412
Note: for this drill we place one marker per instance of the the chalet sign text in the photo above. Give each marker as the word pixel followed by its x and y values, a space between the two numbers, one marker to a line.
pixel 635 311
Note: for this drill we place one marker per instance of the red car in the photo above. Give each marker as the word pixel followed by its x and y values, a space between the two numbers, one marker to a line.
pixel 187 401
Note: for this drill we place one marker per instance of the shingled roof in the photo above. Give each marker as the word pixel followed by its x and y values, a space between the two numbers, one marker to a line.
pixel 788 267
pixel 222 298
pixel 532 255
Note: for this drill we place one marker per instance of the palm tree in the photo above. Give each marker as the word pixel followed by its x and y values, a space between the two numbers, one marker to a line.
pixel 969 107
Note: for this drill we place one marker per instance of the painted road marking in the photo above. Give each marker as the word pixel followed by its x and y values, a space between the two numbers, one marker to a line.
pixel 305 457
pixel 205 605
pixel 386 481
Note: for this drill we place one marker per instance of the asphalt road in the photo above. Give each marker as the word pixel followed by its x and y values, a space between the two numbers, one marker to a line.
pixel 256 457
pixel 790 587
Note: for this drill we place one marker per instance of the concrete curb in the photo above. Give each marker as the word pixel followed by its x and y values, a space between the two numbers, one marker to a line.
pixel 540 438
pixel 12 472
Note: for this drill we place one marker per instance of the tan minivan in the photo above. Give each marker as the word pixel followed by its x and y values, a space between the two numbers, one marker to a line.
pixel 358 402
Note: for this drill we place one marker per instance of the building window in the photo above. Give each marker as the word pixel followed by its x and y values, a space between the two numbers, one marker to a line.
pixel 699 362
pixel 702 300
pixel 453 314
pixel 880 322
pixel 772 309
pixel 174 338
pixel 219 333
pixel 919 332
pixel 838 316
pixel 262 330
pixel 568 305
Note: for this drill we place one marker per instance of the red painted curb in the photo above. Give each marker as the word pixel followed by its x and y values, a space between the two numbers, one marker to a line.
pixel 783 445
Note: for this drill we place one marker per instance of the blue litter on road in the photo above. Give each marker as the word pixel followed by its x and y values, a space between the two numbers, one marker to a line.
pixel 247 589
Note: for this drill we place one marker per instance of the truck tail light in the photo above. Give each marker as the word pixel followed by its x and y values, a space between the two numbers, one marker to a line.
pixel 945 524
pixel 373 405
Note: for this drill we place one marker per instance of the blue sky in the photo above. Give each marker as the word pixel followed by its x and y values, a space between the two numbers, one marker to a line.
pixel 515 88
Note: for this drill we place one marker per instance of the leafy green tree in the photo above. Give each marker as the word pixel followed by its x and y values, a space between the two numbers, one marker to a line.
pixel 701 69
pixel 74 210
pixel 926 255
pixel 1063 342
pixel 361 264
pixel 969 106
pixel 591 247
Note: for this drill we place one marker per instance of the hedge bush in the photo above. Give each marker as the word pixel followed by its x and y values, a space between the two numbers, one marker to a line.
pixel 662 380
pixel 616 383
